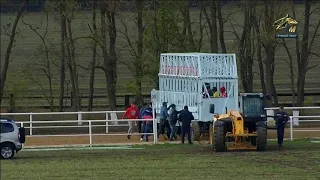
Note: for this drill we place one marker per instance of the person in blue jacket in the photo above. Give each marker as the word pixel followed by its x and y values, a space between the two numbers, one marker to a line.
pixel 281 119
pixel 141 123
pixel 164 123
pixel 148 124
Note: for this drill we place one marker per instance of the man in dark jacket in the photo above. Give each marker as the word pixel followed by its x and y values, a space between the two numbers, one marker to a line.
pixel 173 118
pixel 185 117
pixel 281 119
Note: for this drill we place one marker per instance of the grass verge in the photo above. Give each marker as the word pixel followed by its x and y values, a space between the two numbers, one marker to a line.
pixel 298 160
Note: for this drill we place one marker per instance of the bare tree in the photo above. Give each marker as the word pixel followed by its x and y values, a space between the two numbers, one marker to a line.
pixel 304 49
pixel 269 44
pixel 138 65
pixel 46 67
pixel 107 11
pixel 256 21
pixel 94 55
pixel 221 27
pixel 212 23
pixel 9 48
pixel 63 31
pixel 291 74
pixel 246 46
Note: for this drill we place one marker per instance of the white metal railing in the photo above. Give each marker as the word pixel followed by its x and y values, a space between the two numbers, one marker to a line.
pixel 295 118
pixel 90 125
pixel 113 115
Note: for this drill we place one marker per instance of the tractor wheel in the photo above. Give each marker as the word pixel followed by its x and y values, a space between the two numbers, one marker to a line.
pixel 219 136
pixel 211 134
pixel 196 131
pixel 261 138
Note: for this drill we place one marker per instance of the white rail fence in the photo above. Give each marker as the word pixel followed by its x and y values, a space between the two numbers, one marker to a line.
pixel 31 115
pixel 88 123
pixel 295 119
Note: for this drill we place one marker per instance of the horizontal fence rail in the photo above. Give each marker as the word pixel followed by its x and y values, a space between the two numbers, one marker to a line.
pixel 113 115
pixel 90 126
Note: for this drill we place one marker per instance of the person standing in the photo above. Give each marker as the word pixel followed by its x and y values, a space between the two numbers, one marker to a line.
pixel 140 124
pixel 173 118
pixel 281 119
pixel 131 113
pixel 148 124
pixel 185 117
pixel 164 123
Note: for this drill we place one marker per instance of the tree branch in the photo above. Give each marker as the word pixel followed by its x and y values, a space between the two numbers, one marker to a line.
pixel 313 37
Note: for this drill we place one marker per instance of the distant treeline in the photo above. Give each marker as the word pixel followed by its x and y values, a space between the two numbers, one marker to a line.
pixel 10 6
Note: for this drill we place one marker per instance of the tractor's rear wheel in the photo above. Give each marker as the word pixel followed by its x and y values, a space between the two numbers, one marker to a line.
pixel 219 136
pixel 261 137
pixel 196 131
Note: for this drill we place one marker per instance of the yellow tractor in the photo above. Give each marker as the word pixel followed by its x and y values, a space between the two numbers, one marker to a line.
pixel 244 129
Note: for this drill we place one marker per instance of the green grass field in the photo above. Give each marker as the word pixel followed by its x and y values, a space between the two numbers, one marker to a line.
pixel 298 160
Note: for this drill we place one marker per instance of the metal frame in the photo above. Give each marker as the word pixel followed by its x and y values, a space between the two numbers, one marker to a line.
pixel 186 73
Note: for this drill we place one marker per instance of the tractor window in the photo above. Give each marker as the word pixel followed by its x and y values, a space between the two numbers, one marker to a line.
pixel 253 106
pixel 6 128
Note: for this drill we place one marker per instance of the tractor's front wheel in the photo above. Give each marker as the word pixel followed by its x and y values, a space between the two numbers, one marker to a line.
pixel 196 131
pixel 261 137
pixel 219 136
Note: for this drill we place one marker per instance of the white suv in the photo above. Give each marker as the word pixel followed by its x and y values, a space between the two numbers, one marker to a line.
pixel 11 138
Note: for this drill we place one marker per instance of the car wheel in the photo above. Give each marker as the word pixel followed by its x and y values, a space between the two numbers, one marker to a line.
pixel 7 151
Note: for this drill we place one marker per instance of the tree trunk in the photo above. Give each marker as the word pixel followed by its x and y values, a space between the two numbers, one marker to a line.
pixel 72 67
pixel 212 23
pixel 221 28
pixel 63 56
pixel 245 49
pixel 73 86
pixel 9 48
pixel 259 55
pixel 94 54
pixel 269 16
pixel 139 64
pixel 49 74
pixel 291 72
pixel 214 32
pixel 110 61
pixel 303 60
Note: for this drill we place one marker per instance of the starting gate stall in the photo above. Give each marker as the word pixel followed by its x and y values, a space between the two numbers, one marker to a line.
pixel 188 78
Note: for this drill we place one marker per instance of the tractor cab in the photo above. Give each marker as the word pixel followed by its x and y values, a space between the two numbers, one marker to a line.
pixel 252 106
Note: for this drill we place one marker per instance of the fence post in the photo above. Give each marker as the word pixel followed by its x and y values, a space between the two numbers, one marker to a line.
pixel 79 118
pixel 107 123
pixel 90 134
pixel 30 125
pixel 291 129
pixel 155 126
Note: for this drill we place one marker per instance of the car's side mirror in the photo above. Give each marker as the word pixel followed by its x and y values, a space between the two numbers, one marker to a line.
pixel 211 108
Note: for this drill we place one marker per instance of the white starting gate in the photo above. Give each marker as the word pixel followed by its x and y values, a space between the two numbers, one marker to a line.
pixel 186 79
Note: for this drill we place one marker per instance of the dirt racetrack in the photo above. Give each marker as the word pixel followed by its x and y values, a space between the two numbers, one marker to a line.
pixel 105 139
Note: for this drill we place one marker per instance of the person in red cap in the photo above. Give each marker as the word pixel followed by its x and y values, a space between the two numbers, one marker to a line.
pixel 131 113
pixel 223 92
